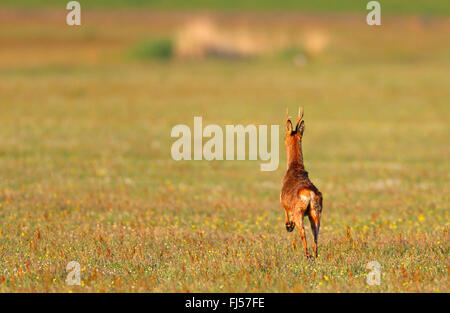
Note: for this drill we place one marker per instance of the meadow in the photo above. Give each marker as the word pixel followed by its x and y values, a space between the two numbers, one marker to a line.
pixel 86 173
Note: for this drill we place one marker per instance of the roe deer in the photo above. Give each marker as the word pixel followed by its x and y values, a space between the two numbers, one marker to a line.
pixel 299 197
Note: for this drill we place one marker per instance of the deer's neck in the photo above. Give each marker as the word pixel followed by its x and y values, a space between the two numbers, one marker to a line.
pixel 295 155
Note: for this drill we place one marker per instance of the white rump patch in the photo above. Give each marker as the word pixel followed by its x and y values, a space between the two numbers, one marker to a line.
pixel 303 197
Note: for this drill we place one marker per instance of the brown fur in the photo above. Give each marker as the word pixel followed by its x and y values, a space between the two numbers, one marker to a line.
pixel 299 196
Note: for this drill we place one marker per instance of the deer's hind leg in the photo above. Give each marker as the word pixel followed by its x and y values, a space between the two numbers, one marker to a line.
pixel 314 218
pixel 299 214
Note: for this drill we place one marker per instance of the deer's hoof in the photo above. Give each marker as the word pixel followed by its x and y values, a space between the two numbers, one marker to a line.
pixel 309 256
pixel 290 226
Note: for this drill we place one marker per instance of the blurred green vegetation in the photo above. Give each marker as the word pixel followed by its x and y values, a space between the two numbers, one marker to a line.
pixel 439 7
pixel 156 49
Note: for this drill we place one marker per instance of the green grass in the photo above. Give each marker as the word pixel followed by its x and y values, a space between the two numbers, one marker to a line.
pixel 87 174
pixel 439 7
pixel 154 49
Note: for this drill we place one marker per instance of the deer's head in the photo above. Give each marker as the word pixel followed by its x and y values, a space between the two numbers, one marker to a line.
pixel 294 134
pixel 294 138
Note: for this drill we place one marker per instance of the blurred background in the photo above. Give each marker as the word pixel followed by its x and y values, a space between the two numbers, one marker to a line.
pixel 85 119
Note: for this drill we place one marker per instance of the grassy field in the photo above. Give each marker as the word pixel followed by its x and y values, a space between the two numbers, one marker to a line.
pixel 86 173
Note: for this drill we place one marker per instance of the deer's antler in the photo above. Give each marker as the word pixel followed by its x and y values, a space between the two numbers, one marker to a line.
pixel 300 115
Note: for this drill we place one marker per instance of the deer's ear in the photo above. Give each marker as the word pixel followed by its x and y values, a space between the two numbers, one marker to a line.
pixel 301 127
pixel 289 126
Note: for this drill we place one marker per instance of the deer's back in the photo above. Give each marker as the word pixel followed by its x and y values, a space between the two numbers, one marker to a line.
pixel 295 180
